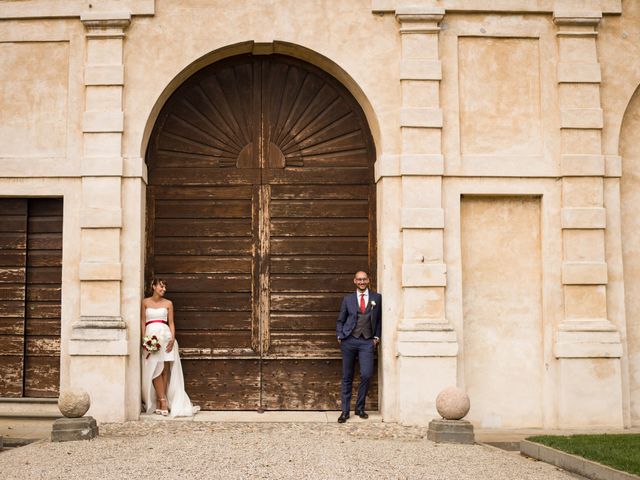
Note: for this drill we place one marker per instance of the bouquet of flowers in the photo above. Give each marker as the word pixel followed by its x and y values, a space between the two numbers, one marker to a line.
pixel 151 344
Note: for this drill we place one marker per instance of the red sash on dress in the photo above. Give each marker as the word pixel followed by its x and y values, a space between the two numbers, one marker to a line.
pixel 155 321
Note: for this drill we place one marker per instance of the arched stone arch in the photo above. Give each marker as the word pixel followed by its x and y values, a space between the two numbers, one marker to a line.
pixel 630 219
pixel 261 204
pixel 278 47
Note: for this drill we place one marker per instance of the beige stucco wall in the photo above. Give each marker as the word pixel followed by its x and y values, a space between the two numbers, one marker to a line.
pixel 480 94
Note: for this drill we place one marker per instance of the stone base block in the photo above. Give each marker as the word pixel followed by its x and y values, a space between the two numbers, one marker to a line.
pixel 450 431
pixel 70 429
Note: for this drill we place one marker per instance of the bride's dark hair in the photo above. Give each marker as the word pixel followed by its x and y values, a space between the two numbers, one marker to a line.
pixel 156 281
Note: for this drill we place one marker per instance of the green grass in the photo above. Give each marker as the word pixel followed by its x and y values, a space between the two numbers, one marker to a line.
pixel 618 451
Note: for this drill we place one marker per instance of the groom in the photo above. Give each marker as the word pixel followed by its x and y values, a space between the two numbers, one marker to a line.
pixel 358 329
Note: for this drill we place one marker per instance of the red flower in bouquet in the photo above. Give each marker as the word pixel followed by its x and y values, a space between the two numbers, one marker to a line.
pixel 151 344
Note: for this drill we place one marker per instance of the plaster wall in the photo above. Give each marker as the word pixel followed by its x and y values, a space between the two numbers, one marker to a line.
pixel 502 299
pixel 471 107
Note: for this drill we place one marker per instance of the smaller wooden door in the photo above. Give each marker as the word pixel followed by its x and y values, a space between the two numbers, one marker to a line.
pixel 30 296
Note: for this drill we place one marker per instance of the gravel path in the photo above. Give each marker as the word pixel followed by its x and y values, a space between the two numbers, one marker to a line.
pixel 194 450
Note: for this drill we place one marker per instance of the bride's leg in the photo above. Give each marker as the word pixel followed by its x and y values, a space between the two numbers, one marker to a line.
pixel 165 382
pixel 161 390
pixel 165 376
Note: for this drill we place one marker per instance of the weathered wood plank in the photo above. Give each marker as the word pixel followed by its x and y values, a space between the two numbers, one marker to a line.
pixel 340 283
pixel 203 228
pixel 43 310
pixel 214 339
pixel 12 308
pixel 44 275
pixel 201 264
pixel 202 246
pixel 44 258
pixel 314 302
pixel 13 206
pixel 181 192
pixel 42 345
pixel 319 246
pixel 223 384
pixel 45 241
pixel 12 258
pixel 46 207
pixel 12 326
pixel 203 209
pixel 205 282
pixel 319 192
pixel 43 326
pixel 324 265
pixel 212 301
pixel 44 293
pixel 12 240
pixel 10 375
pixel 12 275
pixel 319 208
pixel 309 384
pixel 337 160
pixel 303 321
pixel 213 321
pixel 313 227
pixel 323 176
pixel 11 345
pixel 11 292
pixel 44 225
pixel 42 376
pixel 203 176
pixel 10 223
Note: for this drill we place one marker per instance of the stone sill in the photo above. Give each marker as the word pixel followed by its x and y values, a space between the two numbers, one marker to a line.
pixel 29 408
pixel 573 463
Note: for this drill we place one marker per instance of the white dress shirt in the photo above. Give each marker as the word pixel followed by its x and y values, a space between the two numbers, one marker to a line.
pixel 366 298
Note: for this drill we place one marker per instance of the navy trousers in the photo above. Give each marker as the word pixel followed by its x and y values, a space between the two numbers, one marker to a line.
pixel 362 349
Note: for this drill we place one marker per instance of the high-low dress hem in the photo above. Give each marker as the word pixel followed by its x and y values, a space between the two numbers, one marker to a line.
pixel 152 365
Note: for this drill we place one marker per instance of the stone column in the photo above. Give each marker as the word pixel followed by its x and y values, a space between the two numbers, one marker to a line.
pixel 427 345
pixel 98 344
pixel 587 344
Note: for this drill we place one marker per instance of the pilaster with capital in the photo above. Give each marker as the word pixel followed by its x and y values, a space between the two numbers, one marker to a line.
pixel 586 341
pixel 426 341
pixel 98 344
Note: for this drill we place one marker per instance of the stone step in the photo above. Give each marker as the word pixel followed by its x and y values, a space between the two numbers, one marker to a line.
pixel 27 419
pixel 29 408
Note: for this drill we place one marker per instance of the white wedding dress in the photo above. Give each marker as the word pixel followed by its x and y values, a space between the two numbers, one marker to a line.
pixel 152 365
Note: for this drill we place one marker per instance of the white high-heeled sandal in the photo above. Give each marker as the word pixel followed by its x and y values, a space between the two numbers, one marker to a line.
pixel 162 411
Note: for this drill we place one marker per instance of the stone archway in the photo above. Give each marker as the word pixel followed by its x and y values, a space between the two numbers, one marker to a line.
pixel 630 199
pixel 261 205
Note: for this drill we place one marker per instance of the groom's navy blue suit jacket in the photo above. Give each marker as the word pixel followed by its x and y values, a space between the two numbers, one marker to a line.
pixel 348 316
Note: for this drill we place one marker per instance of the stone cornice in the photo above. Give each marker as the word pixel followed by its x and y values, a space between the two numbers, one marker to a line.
pixel 419 19
pixel 577 18
pixel 27 9
pixel 607 7
pixel 106 21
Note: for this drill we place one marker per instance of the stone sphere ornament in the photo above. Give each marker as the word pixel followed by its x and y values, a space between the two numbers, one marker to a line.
pixel 74 403
pixel 453 403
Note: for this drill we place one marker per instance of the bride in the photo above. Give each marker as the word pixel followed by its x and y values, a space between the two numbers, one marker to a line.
pixel 162 380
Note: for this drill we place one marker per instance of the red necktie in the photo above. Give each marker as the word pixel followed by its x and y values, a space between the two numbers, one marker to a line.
pixel 362 306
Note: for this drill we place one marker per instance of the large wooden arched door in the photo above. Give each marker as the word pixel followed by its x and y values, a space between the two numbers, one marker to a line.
pixel 261 206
